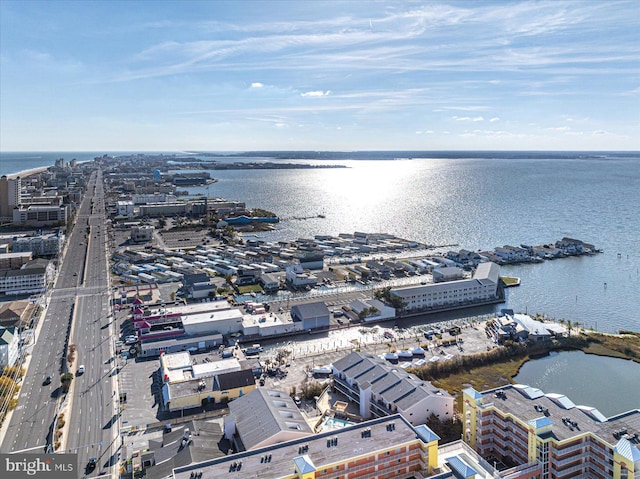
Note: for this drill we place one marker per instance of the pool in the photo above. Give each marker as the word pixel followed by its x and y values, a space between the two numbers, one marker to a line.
pixel 334 423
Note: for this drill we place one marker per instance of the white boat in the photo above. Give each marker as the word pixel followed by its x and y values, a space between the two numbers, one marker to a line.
pixel 405 354
pixel 434 359
pixel 323 369
pixel 418 351
pixel 391 356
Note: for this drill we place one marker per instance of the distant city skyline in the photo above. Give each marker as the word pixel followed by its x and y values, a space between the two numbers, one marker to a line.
pixel 303 75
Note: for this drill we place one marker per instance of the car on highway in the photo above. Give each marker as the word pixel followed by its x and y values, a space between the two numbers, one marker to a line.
pixel 47 380
pixel 80 369
pixel 91 464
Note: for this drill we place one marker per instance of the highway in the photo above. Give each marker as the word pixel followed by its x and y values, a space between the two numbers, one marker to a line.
pixel 93 422
pixel 81 291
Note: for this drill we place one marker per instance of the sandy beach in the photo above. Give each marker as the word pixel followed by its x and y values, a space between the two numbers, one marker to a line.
pixel 26 173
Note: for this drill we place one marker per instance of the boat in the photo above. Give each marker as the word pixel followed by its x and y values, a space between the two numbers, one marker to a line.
pixel 391 356
pixel 405 354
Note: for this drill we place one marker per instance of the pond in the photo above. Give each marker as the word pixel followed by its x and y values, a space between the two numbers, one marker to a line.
pixel 609 384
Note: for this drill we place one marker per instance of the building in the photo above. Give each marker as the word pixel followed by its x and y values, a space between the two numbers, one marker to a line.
pixel 196 289
pixel 125 208
pixel 372 310
pixel 15 260
pixel 522 426
pixel 312 315
pixel 16 314
pixel 41 245
pixel 9 346
pixel 381 389
pixel 483 287
pixel 297 277
pixel 141 234
pixel 264 417
pixel 200 391
pixel 9 197
pixel 452 273
pixel 40 215
pixel 33 277
pixel 270 282
pixel 382 448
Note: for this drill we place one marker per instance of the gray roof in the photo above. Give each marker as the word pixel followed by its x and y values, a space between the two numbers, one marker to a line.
pixel 169 452
pixel 310 310
pixel 519 401
pixel 235 379
pixel 393 384
pixel 263 413
pixel 6 335
pixel 314 447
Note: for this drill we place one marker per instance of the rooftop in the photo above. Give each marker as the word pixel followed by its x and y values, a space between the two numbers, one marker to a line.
pixel 531 404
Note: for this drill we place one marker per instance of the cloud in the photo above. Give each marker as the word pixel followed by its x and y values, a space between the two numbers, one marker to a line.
pixel 494 119
pixel 256 85
pixel 316 93
pixel 468 118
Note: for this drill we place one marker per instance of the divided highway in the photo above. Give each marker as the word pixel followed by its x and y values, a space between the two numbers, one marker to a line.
pixel 81 290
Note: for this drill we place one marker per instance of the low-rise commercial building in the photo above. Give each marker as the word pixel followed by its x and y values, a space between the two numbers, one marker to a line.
pixel 311 315
pixel 264 417
pixel 33 277
pixel 34 215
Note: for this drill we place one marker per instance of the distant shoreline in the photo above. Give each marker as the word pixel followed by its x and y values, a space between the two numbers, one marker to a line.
pixel 28 172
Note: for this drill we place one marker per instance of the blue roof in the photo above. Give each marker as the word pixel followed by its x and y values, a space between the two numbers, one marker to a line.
pixel 461 467
pixel 473 393
pixel 541 422
pixel 627 450
pixel 426 434
pixel 304 464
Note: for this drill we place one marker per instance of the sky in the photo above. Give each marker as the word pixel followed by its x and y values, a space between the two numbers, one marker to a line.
pixel 311 75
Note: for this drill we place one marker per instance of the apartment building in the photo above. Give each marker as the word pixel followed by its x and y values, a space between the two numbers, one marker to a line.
pixel 41 245
pixel 482 287
pixel 380 389
pixel 550 436
pixel 382 448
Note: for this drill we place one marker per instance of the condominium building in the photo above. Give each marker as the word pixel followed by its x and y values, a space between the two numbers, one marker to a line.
pixel 40 215
pixel 31 278
pixel 42 245
pixel 9 197
pixel 550 436
pixel 481 288
pixel 380 389
pixel 382 448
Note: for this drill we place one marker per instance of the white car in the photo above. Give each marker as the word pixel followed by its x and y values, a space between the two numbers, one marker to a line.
pixel 81 369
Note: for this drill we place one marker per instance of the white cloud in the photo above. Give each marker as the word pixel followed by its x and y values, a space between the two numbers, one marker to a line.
pixel 256 85
pixel 468 118
pixel 316 93
pixel 494 119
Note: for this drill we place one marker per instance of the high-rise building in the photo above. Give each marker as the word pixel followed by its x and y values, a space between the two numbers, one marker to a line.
pixel 519 426
pixel 9 196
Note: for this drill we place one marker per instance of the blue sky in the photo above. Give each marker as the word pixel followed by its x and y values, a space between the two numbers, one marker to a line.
pixel 248 75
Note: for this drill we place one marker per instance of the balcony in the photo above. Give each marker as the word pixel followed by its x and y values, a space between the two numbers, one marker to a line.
pixel 383 467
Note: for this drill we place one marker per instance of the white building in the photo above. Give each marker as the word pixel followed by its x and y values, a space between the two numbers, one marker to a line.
pixel 140 234
pixel 452 273
pixel 482 287
pixel 40 215
pixel 224 321
pixel 381 389
pixel 43 245
pixel 384 311
pixel 297 277
pixel 125 208
pixel 31 278
pixel 9 346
